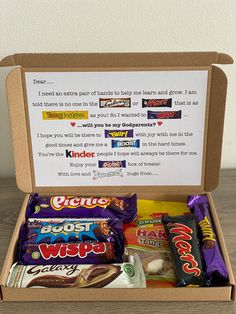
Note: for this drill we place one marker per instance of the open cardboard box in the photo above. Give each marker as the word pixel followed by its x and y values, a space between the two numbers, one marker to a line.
pixel 207 164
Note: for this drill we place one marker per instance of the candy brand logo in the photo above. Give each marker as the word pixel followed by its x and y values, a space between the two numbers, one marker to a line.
pixel 114 102
pixel 164 114
pixel 65 115
pixel 151 234
pixel 101 175
pixel 208 234
pixel 83 154
pixel 64 250
pixel 60 202
pixel 156 220
pixel 67 227
pixel 125 143
pixel 118 133
pixel 68 270
pixel 156 103
pixel 112 164
pixel 77 230
pixel 129 270
pixel 184 248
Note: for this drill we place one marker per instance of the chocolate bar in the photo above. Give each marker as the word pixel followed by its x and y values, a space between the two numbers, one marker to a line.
pixel 69 253
pixel 123 208
pixel 118 133
pixel 112 164
pixel 125 143
pixel 114 102
pixel 182 236
pixel 126 275
pixel 83 230
pixel 160 103
pixel 216 269
pixel 164 114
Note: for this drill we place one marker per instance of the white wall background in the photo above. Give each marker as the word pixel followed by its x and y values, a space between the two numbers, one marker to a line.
pixel 118 26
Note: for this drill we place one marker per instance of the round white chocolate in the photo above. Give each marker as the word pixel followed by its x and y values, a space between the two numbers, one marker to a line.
pixel 154 267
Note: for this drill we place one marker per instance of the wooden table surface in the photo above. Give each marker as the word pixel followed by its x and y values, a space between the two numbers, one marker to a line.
pixel 225 201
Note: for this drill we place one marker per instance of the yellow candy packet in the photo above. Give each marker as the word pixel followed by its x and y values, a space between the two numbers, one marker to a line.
pixel 147 207
pixel 147 237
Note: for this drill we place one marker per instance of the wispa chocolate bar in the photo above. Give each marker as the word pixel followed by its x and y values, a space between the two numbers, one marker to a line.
pixel 81 230
pixel 182 236
pixel 61 206
pixel 216 269
pixel 69 253
pixel 157 103
pixel 164 114
pixel 126 275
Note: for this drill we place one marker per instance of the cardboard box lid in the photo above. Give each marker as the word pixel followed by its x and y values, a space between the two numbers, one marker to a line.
pixel 217 85
pixel 147 59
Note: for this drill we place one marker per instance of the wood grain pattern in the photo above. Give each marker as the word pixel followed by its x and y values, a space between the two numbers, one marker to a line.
pixel 224 197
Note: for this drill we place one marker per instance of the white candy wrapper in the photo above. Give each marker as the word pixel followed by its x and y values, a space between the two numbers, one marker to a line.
pixel 125 275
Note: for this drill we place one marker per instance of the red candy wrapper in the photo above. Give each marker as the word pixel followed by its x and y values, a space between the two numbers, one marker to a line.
pixel 69 253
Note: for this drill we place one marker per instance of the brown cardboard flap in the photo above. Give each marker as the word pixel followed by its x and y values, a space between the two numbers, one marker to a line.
pixel 19 131
pixel 116 59
pixel 215 128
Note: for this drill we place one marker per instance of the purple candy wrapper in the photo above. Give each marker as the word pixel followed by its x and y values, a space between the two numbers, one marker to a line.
pixel 69 253
pixel 80 230
pixel 119 133
pixel 215 265
pixel 123 208
pixel 112 164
